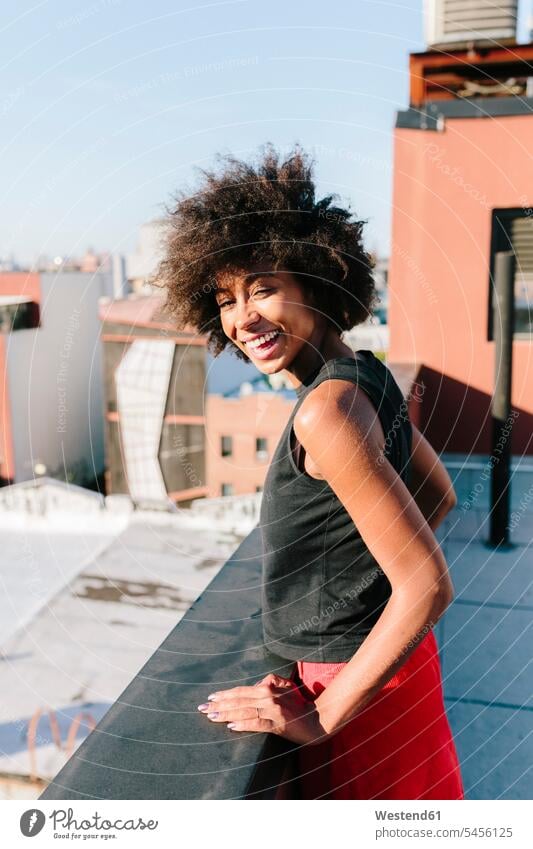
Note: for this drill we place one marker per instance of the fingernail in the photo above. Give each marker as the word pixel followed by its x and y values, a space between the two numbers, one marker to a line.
pixel 230 725
pixel 203 707
pixel 211 697
pixel 212 715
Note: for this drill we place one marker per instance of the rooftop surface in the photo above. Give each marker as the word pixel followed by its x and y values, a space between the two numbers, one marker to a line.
pixel 485 640
pixel 88 597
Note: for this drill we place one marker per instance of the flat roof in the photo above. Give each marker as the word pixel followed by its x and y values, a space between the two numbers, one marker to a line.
pixel 13 300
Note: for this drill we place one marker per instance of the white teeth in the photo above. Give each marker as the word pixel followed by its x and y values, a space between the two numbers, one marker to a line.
pixel 260 340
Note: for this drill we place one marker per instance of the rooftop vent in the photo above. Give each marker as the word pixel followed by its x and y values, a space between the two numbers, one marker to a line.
pixel 457 23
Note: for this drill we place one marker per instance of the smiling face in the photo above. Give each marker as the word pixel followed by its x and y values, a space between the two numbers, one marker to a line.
pixel 273 309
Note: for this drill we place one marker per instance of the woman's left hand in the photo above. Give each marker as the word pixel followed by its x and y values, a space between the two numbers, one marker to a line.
pixel 274 704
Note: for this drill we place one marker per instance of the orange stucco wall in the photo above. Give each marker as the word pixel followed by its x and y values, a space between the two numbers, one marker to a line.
pixel 27 283
pixel 256 415
pixel 7 462
pixel 445 187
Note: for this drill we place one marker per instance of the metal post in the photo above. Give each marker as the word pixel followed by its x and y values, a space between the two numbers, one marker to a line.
pixel 503 314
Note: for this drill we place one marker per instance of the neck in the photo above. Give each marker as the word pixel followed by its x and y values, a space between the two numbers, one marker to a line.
pixel 313 357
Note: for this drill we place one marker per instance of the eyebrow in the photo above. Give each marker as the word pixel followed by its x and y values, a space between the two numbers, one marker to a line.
pixel 249 279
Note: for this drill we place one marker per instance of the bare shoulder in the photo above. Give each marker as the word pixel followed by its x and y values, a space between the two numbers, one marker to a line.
pixel 335 405
pixel 337 425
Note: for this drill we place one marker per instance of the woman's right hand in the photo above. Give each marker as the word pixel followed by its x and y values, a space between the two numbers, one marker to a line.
pixel 274 680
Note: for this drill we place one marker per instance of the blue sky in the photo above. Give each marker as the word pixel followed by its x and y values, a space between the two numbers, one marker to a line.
pixel 107 105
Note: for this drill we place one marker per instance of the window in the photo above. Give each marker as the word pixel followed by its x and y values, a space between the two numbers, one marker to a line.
pixel 182 456
pixel 512 229
pixel 19 315
pixel 261 448
pixel 226 489
pixel 226 446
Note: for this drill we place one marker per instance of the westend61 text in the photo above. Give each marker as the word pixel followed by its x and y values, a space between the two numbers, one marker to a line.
pixel 407 815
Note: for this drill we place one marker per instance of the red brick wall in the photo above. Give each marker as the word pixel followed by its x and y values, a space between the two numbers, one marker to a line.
pixel 257 415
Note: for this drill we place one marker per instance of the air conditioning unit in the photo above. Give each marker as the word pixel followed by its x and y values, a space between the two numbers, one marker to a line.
pixel 456 23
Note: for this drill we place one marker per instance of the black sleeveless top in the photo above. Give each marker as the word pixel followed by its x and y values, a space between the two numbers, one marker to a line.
pixel 322 590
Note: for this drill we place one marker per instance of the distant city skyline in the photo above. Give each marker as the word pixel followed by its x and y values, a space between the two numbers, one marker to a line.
pixel 107 108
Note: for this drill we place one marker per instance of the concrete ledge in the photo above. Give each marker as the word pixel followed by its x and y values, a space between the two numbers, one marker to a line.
pixel 154 744
pixel 431 115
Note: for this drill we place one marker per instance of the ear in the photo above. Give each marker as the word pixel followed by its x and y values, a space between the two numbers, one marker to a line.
pixel 310 295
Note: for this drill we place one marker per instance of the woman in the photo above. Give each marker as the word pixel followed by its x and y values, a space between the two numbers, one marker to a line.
pixel 353 578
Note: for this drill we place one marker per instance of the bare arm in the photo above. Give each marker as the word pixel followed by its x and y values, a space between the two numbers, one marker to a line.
pixel 339 429
pixel 431 486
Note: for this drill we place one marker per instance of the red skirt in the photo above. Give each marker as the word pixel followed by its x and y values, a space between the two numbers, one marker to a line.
pixel 399 747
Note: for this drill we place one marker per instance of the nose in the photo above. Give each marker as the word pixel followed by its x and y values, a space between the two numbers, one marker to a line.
pixel 246 315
